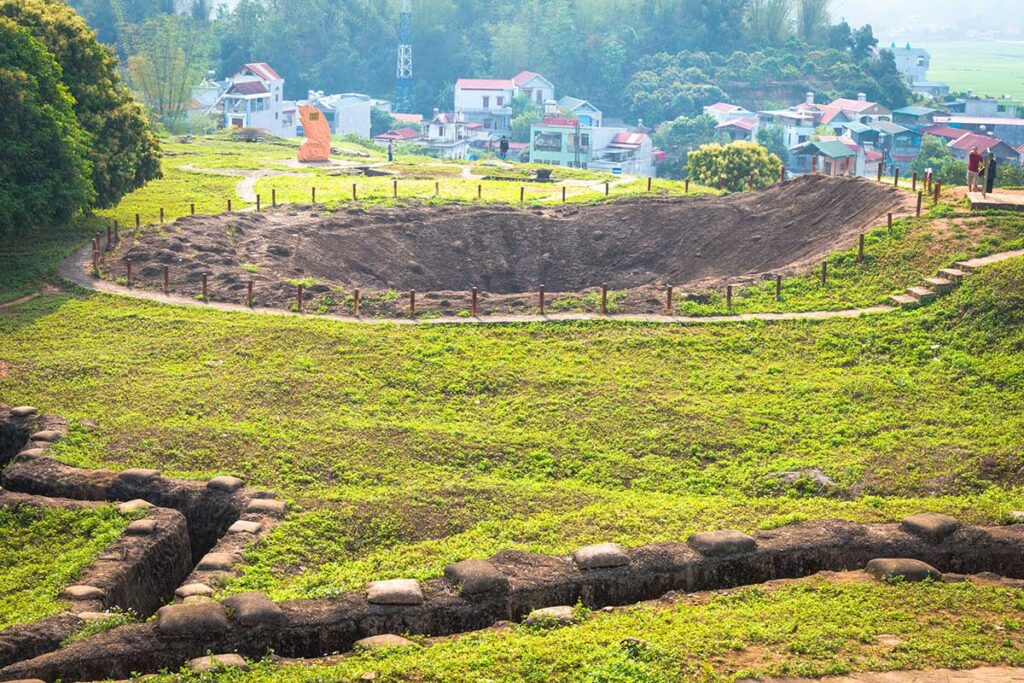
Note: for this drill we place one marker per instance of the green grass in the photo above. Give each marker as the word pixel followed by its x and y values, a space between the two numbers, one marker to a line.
pixel 994 68
pixel 43 550
pixel 407 448
pixel 805 628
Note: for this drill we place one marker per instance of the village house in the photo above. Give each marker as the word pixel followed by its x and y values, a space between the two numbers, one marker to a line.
pixel 254 98
pixel 447 137
pixel 1011 130
pixel 583 110
pixel 829 157
pixel 915 117
pixel 407 135
pixel 900 146
pixel 487 101
pixel 345 113
pixel 561 141
pixel 534 87
pixel 962 146
pixel 913 64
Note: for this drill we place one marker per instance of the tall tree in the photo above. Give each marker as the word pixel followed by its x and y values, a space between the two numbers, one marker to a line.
pixel 125 154
pixel 168 54
pixel 44 173
pixel 769 22
pixel 812 20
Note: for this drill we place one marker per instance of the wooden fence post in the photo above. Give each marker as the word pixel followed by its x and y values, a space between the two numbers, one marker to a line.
pixel 192 209
pixel 117 233
pixel 890 222
pixel 257 203
pixel 522 193
pixel 204 287
pixel 920 199
pixel 540 293
pixel 412 302
pixel 649 180
pixel 437 189
pixel 229 206
pixel 686 186
pixel 273 197
pixel 248 299
pixel 913 183
pixel 161 215
pixel 138 222
pixel 824 272
pixel 668 300
pixel 472 306
pixel 479 191
pixel 167 280
pixel 782 176
pixel 938 190
pixel 607 188
pixel 128 275
pixel 896 177
pixel 354 194
pixel 860 248
pixel 750 183
pixel 355 302
pixel 881 166
pixel 312 191
pixel 604 299
pixel 778 287
pixel 394 188
pixel 728 297
pixel 563 194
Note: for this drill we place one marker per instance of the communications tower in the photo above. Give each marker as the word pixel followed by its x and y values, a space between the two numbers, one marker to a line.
pixel 403 91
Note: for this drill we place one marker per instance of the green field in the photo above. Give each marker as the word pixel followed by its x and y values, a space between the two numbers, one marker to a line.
pixel 43 550
pixel 988 68
pixel 404 448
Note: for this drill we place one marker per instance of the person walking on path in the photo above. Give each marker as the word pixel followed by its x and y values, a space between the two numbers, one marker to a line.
pixel 391 150
pixel 503 148
pixel 974 170
pixel 990 173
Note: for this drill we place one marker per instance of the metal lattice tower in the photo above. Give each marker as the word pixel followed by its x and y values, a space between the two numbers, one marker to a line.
pixel 403 91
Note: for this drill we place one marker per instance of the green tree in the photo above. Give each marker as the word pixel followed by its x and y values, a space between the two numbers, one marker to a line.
pixel 812 21
pixel 769 22
pixel 935 156
pixel 382 122
pixel 772 137
pixel 678 137
pixel 168 54
pixel 735 162
pixel 44 173
pixel 824 130
pixel 125 154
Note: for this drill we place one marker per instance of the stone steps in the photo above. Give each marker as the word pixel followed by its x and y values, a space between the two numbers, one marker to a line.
pixel 954 274
pixel 903 300
pixel 922 294
pixel 940 285
pixel 947 279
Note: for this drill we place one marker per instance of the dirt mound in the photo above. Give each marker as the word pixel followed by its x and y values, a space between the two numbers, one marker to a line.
pixel 690 242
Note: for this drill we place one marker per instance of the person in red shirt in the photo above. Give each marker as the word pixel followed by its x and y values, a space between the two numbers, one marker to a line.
pixel 974 170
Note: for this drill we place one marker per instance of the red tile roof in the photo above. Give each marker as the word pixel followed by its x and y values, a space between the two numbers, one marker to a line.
pixel 248 88
pixel 400 134
pixel 744 123
pixel 968 140
pixel 628 140
pixel 485 84
pixel 522 77
pixel 941 131
pixel 850 105
pixel 263 70
pixel 408 118
pixel 723 107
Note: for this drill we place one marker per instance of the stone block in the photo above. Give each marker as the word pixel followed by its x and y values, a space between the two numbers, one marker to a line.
pixel 190 620
pixel 190 589
pixel 217 562
pixel 243 526
pixel 141 527
pixel 32 452
pixel 82 593
pixel 886 569
pixel 202 665
pixel 137 475
pixel 559 615
pixel 930 525
pixel 722 543
pixel 254 609
pixel 23 411
pixel 395 592
pixel 94 616
pixel 229 484
pixel 382 641
pixel 133 505
pixel 266 506
pixel 195 599
pixel 476 576
pixel 47 435
pixel 600 556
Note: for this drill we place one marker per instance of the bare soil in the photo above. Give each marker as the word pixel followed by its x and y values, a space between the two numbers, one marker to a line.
pixel 636 247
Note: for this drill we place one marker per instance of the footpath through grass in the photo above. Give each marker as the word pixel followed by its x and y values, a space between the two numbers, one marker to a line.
pixel 43 550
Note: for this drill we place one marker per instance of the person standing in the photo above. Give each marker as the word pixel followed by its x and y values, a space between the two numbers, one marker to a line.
pixel 990 173
pixel 503 148
pixel 974 160
pixel 391 150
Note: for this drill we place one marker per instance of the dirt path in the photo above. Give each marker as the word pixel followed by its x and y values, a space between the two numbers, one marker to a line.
pixel 76 269
pixel 988 674
pixel 246 187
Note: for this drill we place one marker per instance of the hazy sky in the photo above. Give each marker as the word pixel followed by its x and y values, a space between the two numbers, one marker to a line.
pixel 917 19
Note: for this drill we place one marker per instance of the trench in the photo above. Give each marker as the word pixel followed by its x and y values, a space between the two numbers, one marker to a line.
pixel 13 438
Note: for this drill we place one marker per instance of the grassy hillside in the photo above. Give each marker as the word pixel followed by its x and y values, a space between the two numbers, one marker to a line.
pixel 43 550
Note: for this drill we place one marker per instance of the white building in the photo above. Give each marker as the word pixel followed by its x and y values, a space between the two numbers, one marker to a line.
pixel 534 87
pixel 487 101
pixel 587 113
pixel 255 99
pixel 345 113
pixel 723 111
pixel 447 137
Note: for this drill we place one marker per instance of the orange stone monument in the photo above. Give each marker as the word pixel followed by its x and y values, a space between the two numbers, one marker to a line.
pixel 317 146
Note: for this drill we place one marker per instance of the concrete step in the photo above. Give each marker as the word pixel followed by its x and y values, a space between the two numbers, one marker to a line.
pixel 965 266
pixel 903 300
pixel 954 274
pixel 922 294
pixel 940 285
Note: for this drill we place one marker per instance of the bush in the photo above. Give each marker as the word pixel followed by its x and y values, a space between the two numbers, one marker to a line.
pixel 735 162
